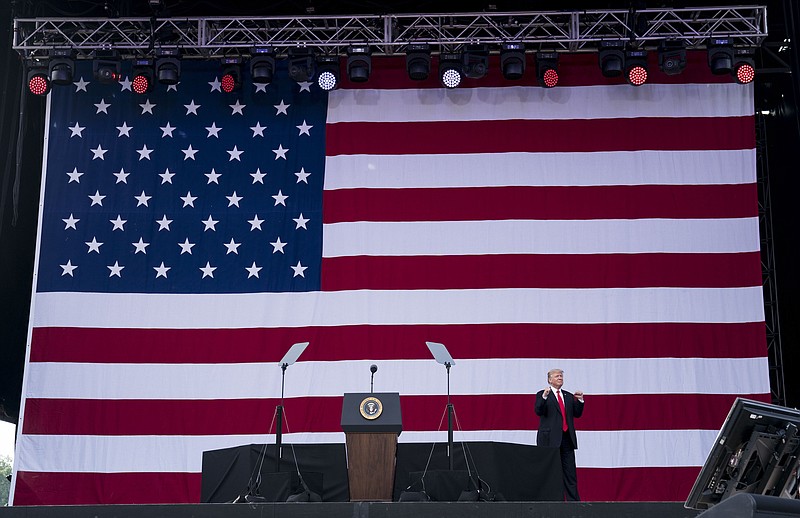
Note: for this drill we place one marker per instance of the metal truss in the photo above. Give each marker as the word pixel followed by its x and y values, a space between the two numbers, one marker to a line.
pixel 768 271
pixel 567 31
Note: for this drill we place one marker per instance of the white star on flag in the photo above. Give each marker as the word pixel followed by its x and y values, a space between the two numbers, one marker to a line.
pixel 147 107
pixel 280 152
pixel 233 199
pixel 255 223
pixel 102 106
pixel 213 130
pixel 188 200
pixel 191 107
pixel 166 176
pixel 305 86
pixel 119 223
pixel 99 152
pixel 299 269
pixel 210 224
pixel 237 108
pixel 77 130
pixel 208 270
pixel 189 152
pixel 94 245
pixel 282 107
pixel 124 129
pixel 258 130
pixel 163 223
pixel 304 128
pixel 258 176
pixel 252 271
pixel 126 84
pixel 122 176
pixel 142 199
pixel 161 270
pixel 71 220
pixel 140 246
pixel 213 176
pixel 232 247
pixel 277 246
pixel 74 176
pixel 280 199
pixel 144 152
pixel 97 198
pixel 216 85
pixel 302 176
pixel 301 222
pixel 186 247
pixel 68 268
pixel 235 154
pixel 115 269
pixel 167 130
pixel 80 86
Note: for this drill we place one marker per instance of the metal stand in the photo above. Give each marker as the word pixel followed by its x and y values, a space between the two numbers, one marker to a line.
pixel 289 358
pixel 441 355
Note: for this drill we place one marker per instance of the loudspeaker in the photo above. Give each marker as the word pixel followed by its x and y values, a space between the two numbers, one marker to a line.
pixel 746 505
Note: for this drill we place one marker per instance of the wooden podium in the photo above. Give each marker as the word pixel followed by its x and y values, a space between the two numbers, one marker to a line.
pixel 371 422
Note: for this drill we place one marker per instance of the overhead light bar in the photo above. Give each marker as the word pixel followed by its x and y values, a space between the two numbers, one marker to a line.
pixel 636 67
pixel 359 63
pixel 61 66
pixel 720 55
pixel 547 69
pixel 512 60
pixel 418 61
pixel 611 58
pixel 262 65
pixel 328 72
pixel 450 70
pixel 168 66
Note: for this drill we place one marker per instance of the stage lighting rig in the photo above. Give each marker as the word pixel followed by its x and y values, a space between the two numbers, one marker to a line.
pixel 38 80
pixel 359 63
pixel 106 66
pixel 720 55
pixel 168 66
pixel 512 60
pixel 328 72
pixel 636 67
pixel 61 66
pixel 744 70
pixel 231 74
pixel 418 61
pixel 612 58
pixel 142 72
pixel 547 69
pixel 475 59
pixel 301 64
pixel 262 65
pixel 672 57
pixel 451 71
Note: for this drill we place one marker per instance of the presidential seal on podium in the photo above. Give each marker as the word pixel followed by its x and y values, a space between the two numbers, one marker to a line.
pixel 370 408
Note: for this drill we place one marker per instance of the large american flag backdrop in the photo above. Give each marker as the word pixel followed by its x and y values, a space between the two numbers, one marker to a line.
pixel 188 237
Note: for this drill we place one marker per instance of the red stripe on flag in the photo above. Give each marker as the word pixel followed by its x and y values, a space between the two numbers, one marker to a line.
pixel 323 414
pixel 64 488
pixel 541 203
pixel 541 271
pixel 640 340
pixel 661 484
pixel 540 136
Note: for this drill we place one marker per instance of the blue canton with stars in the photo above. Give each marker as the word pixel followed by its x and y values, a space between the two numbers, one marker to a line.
pixel 185 189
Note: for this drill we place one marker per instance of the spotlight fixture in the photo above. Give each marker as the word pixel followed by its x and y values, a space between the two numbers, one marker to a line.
pixel 636 67
pixel 38 80
pixel 672 57
pixel 359 63
pixel 720 55
pixel 475 59
pixel 547 69
pixel 61 67
pixel 301 64
pixel 512 60
pixel 262 65
pixel 418 61
pixel 142 72
pixel 231 74
pixel 168 66
pixel 744 70
pixel 612 58
pixel 450 70
pixel 328 72
pixel 105 66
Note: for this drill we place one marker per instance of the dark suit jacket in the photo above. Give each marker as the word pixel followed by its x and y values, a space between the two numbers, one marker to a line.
pixel 550 421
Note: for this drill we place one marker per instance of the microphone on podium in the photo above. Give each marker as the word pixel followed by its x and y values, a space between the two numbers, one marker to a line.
pixel 373 369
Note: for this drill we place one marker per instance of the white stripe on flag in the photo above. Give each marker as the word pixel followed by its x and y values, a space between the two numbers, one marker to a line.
pixel 110 454
pixel 580 102
pixel 408 377
pixel 231 311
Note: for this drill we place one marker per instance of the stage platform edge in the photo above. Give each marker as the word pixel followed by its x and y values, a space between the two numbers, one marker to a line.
pixel 364 510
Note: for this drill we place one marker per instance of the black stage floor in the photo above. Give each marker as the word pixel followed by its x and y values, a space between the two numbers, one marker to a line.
pixel 365 510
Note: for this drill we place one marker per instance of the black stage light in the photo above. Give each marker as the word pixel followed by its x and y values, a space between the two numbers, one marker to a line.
pixel 612 58
pixel 475 59
pixel 106 66
pixel 450 70
pixel 672 57
pixel 262 65
pixel 38 80
pixel 359 63
pixel 61 67
pixel 231 74
pixel 547 69
pixel 142 72
pixel 168 66
pixel 328 72
pixel 744 69
pixel 418 61
pixel 636 67
pixel 720 55
pixel 512 60
pixel 301 64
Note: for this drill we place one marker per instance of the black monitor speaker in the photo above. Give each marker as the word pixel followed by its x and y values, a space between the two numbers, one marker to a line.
pixel 755 453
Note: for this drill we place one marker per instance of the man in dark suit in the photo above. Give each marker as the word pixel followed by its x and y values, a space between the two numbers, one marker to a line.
pixel 556 409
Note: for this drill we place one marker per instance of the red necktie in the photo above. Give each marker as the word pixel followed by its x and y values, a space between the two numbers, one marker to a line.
pixel 564 426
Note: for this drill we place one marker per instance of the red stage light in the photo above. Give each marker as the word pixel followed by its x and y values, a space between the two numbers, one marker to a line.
pixel 745 73
pixel 141 84
pixel 39 84
pixel 637 76
pixel 550 78
pixel 228 83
